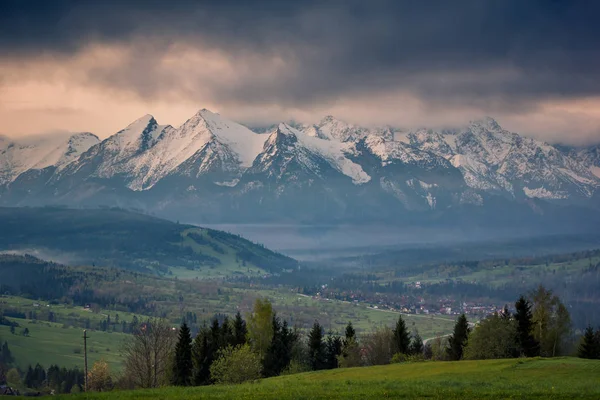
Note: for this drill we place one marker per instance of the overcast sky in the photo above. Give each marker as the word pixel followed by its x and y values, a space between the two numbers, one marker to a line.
pixel 96 66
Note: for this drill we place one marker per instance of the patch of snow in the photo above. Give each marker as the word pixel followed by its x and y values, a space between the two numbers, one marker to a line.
pixel 542 193
pixel 425 185
pixel 231 183
pixel 471 198
pixel 333 151
pixel 577 177
pixel 431 200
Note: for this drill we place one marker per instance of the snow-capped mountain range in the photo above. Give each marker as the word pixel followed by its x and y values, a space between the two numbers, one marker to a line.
pixel 214 169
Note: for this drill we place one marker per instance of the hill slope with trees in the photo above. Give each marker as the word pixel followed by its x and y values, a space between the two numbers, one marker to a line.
pixel 123 239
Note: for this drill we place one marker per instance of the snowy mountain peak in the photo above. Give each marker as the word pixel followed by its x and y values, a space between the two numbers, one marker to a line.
pixel 78 144
pixel 206 126
pixel 334 129
pixel 347 164
pixel 142 121
pixel 286 129
pixel 328 119
pixel 205 115
pixel 137 137
pixel 488 123
pixel 39 152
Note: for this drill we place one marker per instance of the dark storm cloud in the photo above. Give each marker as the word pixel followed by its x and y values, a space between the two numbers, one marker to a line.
pixel 509 53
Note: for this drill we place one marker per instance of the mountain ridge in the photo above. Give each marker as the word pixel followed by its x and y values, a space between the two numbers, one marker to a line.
pixel 214 167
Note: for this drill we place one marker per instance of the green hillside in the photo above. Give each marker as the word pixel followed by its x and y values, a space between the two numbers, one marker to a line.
pixel 118 238
pixel 559 378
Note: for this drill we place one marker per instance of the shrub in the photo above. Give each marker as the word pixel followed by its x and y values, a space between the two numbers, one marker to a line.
pixel 236 365
pixel 99 379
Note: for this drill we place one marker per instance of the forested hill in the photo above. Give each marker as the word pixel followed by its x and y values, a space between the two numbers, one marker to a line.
pixel 123 239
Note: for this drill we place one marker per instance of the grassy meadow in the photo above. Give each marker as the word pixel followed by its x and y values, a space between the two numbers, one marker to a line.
pixel 49 343
pixel 559 378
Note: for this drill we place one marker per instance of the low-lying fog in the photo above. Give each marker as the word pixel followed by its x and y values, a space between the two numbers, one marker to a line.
pixel 312 242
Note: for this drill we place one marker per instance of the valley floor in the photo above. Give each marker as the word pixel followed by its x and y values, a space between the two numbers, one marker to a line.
pixel 558 378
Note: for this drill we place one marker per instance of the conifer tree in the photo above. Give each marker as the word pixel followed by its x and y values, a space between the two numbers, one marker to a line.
pixel 29 377
pixel 3 371
pixel 239 330
pixel 215 335
pixel 182 365
pixel 279 353
pixel 526 344
pixel 226 334
pixel 6 356
pixel 350 333
pixel 315 347
pixel 416 345
pixel 401 337
pixel 458 340
pixel 350 356
pixel 202 358
pixel 589 347
pixel 333 349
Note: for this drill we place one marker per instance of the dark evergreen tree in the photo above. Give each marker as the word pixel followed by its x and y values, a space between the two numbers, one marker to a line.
pixel 6 356
pixel 458 340
pixel 216 336
pixel 62 380
pixel 226 334
pixel 350 333
pixel 589 347
pixel 182 365
pixel 333 349
pixel 279 353
pixel 416 345
pixel 401 337
pixel 316 350
pixel 3 371
pixel 35 377
pixel 240 331
pixel 29 377
pixel 526 344
pixel 505 314
pixel 202 357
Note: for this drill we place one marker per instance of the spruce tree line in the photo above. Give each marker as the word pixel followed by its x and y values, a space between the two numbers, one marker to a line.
pixel 264 345
pixel 590 344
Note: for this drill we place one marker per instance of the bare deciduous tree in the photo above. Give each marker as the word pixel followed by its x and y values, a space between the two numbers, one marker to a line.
pixel 379 346
pixel 148 354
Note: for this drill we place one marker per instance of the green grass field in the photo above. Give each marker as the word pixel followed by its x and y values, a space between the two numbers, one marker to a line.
pixel 50 343
pixel 559 378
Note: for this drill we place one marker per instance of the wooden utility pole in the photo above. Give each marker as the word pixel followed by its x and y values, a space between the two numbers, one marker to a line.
pixel 85 337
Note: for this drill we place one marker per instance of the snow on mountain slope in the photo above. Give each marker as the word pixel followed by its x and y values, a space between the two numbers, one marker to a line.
pixel 176 146
pixel 17 157
pixel 391 151
pixel 330 128
pixel 333 151
pixel 117 150
pixel 352 167
pixel 109 158
pixel 493 159
pixel 590 156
